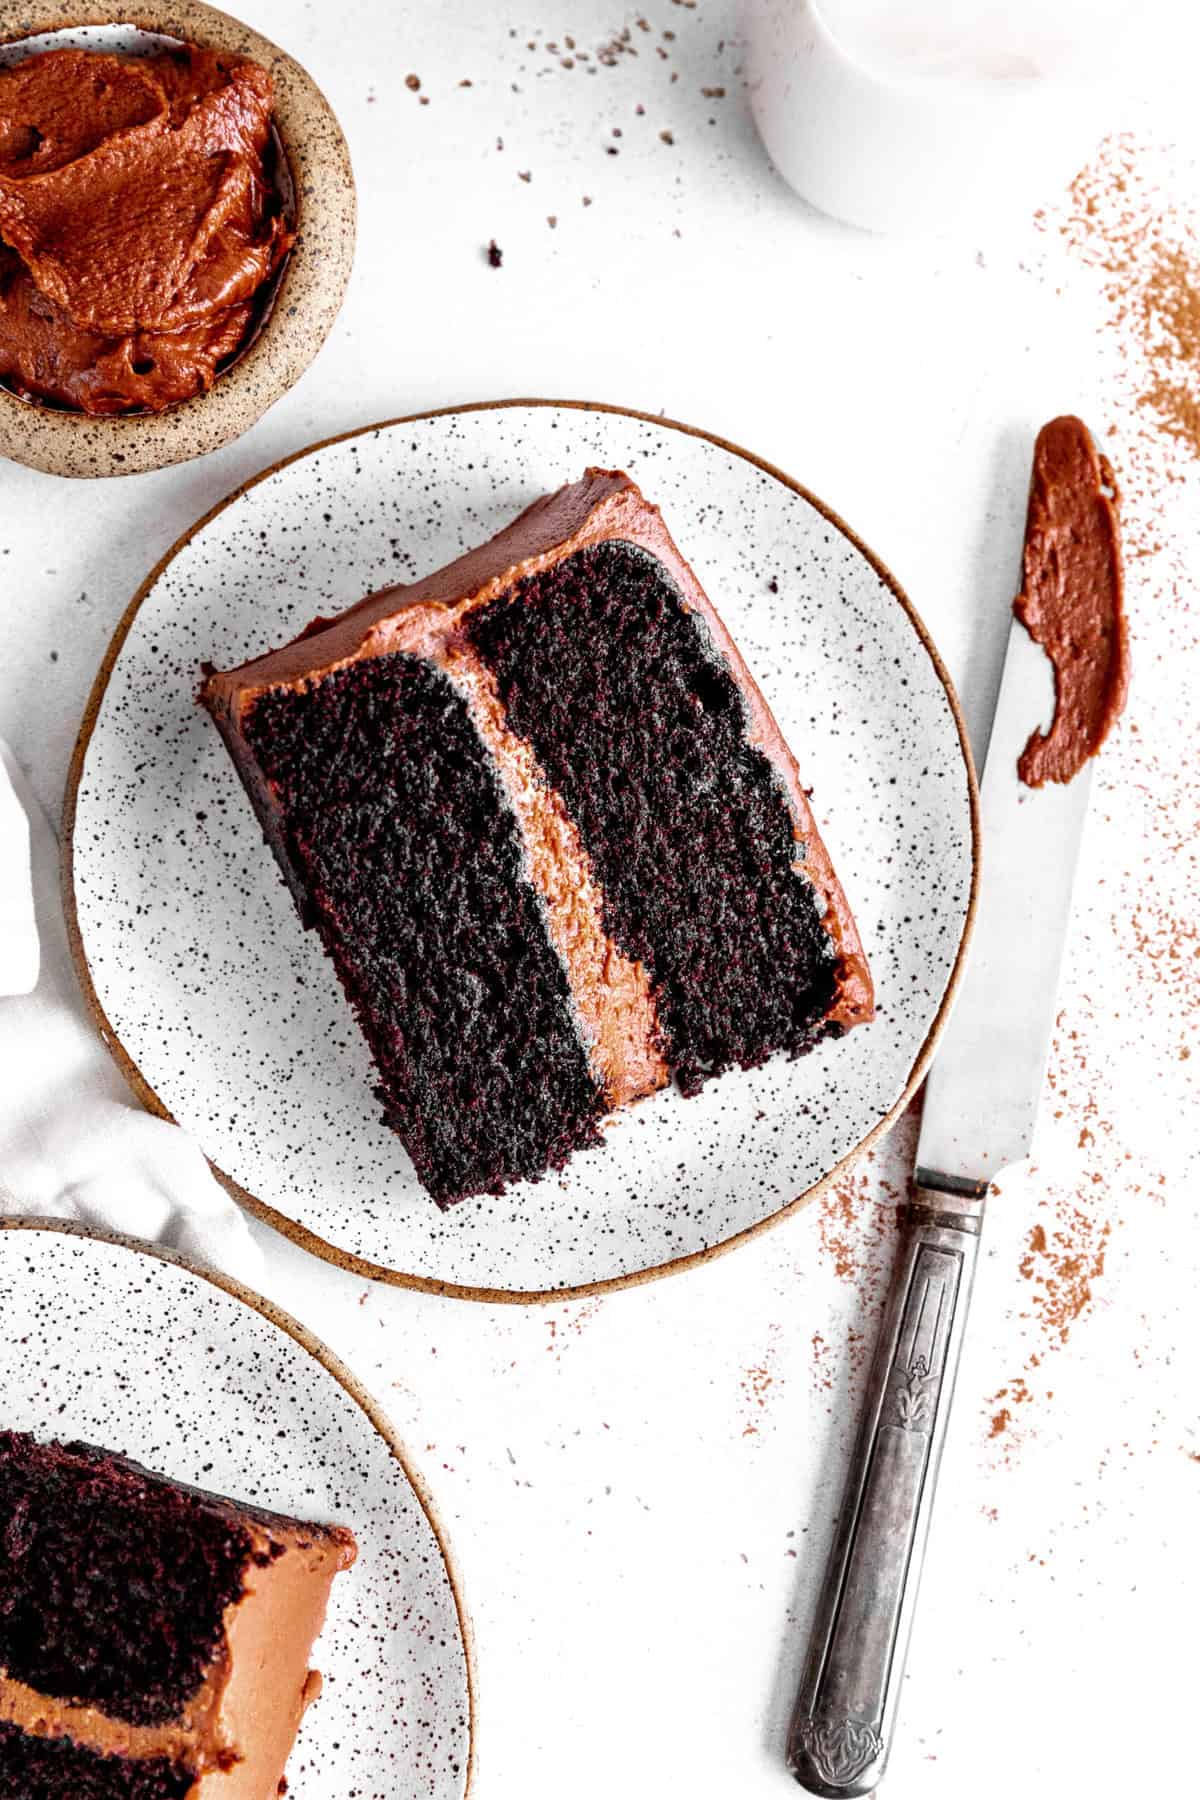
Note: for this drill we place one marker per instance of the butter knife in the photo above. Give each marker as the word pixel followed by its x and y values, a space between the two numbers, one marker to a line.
pixel 981 1102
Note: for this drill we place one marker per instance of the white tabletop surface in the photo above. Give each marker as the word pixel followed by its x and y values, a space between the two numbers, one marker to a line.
pixel 640 1489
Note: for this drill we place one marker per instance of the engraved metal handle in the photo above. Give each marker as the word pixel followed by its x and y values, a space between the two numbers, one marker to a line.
pixel 845 1717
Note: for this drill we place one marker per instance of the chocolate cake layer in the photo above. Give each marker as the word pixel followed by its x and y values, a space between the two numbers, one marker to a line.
pixel 660 824
pixel 393 818
pixel 113 1589
pixel 640 726
pixel 39 1768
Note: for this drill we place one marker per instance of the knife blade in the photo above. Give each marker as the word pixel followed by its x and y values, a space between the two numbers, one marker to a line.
pixel 981 1097
pixel 980 1110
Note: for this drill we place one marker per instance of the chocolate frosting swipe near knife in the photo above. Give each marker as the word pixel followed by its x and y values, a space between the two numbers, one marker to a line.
pixel 981 1100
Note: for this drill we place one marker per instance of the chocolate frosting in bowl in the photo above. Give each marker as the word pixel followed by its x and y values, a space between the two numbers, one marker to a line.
pixel 139 219
pixel 253 361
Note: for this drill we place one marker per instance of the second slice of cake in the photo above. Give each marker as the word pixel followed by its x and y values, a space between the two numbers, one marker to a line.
pixel 550 834
pixel 154 1637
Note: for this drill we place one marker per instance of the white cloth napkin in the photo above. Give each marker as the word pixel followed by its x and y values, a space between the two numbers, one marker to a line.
pixel 73 1145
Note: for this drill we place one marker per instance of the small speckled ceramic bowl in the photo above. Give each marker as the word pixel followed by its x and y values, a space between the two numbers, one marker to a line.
pixel 309 289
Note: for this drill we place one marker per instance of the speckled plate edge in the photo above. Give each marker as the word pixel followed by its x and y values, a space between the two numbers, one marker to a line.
pixel 333 1365
pixel 300 1234
pixel 310 291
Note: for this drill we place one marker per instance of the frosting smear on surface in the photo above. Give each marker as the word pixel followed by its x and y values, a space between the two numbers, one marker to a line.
pixel 1072 598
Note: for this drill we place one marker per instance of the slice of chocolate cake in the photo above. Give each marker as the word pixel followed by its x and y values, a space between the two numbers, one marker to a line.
pixel 154 1639
pixel 550 835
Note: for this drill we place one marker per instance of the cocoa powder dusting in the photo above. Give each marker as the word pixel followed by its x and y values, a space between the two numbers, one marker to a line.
pixel 758 1383
pixel 1063 1266
pixel 857 1223
pixel 840 1206
pixel 1037 1246
pixel 1063 1261
pixel 1171 312
pixel 857 1218
pixel 1149 257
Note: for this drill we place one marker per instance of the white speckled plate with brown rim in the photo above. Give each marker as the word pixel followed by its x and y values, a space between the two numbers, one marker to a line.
pixel 225 1014
pixel 307 292
pixel 132 1349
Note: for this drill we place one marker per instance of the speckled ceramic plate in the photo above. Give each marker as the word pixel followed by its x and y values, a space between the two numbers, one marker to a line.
pixel 194 1376
pixel 225 1014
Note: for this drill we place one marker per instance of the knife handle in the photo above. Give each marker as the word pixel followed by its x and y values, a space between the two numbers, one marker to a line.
pixel 845 1716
